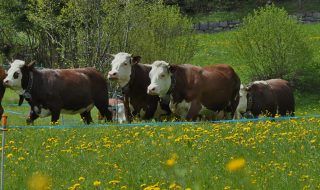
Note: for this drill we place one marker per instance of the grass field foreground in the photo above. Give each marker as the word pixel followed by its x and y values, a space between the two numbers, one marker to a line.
pixel 263 155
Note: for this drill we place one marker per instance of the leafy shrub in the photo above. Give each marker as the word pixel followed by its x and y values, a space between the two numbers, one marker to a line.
pixel 274 46
pixel 72 33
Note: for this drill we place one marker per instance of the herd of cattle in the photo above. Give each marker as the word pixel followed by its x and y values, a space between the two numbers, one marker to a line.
pixel 155 91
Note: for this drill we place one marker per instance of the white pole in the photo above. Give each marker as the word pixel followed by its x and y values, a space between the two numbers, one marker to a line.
pixel 4 129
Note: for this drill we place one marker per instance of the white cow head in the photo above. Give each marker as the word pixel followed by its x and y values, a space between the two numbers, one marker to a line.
pixel 160 76
pixel 122 67
pixel 15 74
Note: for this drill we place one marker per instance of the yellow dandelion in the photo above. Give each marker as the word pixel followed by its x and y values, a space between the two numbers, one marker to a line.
pixel 9 155
pixel 172 161
pixel 81 178
pixel 96 183
pixel 21 158
pixel 114 182
pixel 39 182
pixel 175 186
pixel 235 164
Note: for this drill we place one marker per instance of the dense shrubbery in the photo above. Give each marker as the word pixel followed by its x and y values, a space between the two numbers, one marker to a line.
pixel 75 33
pixel 275 46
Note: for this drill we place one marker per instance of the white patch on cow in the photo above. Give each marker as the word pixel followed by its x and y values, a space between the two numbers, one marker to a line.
pixel 121 68
pixel 159 112
pixel 260 82
pixel 180 109
pixel 160 78
pixel 142 113
pixel 88 108
pixel 44 113
pixel 242 106
pixel 14 77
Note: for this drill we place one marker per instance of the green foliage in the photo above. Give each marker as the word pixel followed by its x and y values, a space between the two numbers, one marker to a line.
pixel 72 33
pixel 273 46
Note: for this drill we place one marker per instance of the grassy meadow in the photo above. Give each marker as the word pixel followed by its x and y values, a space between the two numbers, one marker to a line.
pixel 250 155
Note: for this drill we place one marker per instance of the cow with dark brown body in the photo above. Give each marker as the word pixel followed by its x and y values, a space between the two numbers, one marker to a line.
pixel 133 78
pixel 2 89
pixel 55 91
pixel 270 97
pixel 194 90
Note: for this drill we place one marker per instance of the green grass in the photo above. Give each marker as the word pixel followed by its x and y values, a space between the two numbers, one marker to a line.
pixel 278 155
pixel 291 7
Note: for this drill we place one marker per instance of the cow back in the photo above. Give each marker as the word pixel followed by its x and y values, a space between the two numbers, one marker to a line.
pixel 284 95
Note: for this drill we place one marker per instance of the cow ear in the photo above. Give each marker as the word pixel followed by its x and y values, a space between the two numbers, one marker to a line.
pixel 31 64
pixel 136 60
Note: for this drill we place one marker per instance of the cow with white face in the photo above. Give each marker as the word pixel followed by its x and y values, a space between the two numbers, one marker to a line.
pixel 14 76
pixel 192 89
pixel 121 67
pixel 133 77
pixel 56 91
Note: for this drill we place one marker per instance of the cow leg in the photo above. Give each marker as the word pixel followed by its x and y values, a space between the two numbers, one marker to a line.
pixel 55 115
pixel 150 111
pixel 86 116
pixel 105 113
pixel 32 116
pixel 1 111
pixel 194 110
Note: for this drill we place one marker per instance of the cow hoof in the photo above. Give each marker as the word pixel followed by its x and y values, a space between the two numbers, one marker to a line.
pixel 29 121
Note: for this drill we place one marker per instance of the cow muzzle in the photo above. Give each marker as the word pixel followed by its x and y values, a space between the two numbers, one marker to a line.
pixel 152 90
pixel 112 75
pixel 6 83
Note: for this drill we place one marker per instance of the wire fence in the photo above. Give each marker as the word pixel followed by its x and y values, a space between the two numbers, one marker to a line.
pixel 73 124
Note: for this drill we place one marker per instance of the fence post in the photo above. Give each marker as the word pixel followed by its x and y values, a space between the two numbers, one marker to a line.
pixel 4 129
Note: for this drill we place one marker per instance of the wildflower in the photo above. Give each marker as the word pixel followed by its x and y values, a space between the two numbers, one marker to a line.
pixel 114 182
pixel 81 178
pixel 172 161
pixel 235 164
pixel 39 182
pixel 96 183
pixel 21 158
pixel 175 186
pixel 153 187
pixel 9 155
pixel 74 187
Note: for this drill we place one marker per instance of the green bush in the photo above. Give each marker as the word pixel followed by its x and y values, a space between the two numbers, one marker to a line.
pixel 274 46
pixel 72 33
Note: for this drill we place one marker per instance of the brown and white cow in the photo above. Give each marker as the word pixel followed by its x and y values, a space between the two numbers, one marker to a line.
pixel 194 90
pixel 55 91
pixel 270 97
pixel 2 89
pixel 133 78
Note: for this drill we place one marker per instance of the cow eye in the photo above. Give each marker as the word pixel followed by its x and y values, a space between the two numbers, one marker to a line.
pixel 162 76
pixel 15 75
pixel 125 64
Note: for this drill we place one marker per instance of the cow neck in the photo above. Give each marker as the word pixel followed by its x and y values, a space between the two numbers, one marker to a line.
pixel 166 98
pixel 27 93
pixel 126 88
